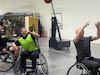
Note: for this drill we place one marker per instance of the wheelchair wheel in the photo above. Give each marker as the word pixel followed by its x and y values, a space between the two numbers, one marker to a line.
pixel 6 61
pixel 78 69
pixel 37 72
pixel 17 67
pixel 44 64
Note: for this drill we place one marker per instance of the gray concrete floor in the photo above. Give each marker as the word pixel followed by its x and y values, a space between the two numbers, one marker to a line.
pixel 60 60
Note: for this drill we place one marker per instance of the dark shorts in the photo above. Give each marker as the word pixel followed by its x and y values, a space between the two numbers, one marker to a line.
pixel 7 48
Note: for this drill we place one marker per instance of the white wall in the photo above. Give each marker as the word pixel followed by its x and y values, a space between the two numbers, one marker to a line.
pixel 74 12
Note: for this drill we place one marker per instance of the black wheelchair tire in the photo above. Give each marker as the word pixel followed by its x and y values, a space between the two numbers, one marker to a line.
pixel 12 63
pixel 43 63
pixel 78 66
pixel 16 67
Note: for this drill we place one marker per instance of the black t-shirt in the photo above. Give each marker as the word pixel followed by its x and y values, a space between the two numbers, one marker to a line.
pixel 83 48
pixel 3 42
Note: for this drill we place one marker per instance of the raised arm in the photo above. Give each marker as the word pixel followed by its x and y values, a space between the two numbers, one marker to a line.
pixel 98 31
pixel 80 32
pixel 36 35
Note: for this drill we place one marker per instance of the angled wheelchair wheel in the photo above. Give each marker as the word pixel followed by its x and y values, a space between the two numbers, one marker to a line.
pixel 6 61
pixel 16 67
pixel 78 69
pixel 43 63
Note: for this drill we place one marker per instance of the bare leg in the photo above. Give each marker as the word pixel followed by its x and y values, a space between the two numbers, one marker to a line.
pixel 16 52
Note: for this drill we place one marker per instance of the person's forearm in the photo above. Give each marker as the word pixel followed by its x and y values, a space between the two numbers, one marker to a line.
pixel 98 32
pixel 82 29
pixel 80 32
pixel 85 25
pixel 36 35
pixel 31 32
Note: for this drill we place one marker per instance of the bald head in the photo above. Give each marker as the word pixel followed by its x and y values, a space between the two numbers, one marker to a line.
pixel 24 31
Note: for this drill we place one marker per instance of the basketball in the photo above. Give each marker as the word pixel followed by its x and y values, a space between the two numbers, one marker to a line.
pixel 47 1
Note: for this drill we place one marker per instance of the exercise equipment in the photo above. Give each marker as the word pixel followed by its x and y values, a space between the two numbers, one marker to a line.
pixel 53 42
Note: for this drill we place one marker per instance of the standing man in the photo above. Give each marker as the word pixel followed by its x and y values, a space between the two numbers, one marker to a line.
pixel 27 41
pixel 9 29
pixel 83 47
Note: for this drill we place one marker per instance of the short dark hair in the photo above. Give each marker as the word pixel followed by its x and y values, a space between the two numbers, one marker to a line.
pixel 1 23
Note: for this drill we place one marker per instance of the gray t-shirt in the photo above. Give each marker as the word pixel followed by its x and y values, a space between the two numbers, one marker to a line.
pixel 83 48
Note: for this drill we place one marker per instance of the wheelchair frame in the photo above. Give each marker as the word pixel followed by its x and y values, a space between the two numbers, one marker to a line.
pixel 78 69
pixel 41 66
pixel 8 58
pixel 7 61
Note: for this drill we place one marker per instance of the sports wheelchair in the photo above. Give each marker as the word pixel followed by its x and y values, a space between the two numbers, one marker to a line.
pixel 7 62
pixel 78 68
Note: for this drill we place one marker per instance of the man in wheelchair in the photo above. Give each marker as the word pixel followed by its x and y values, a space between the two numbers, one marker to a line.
pixel 82 45
pixel 3 42
pixel 27 41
